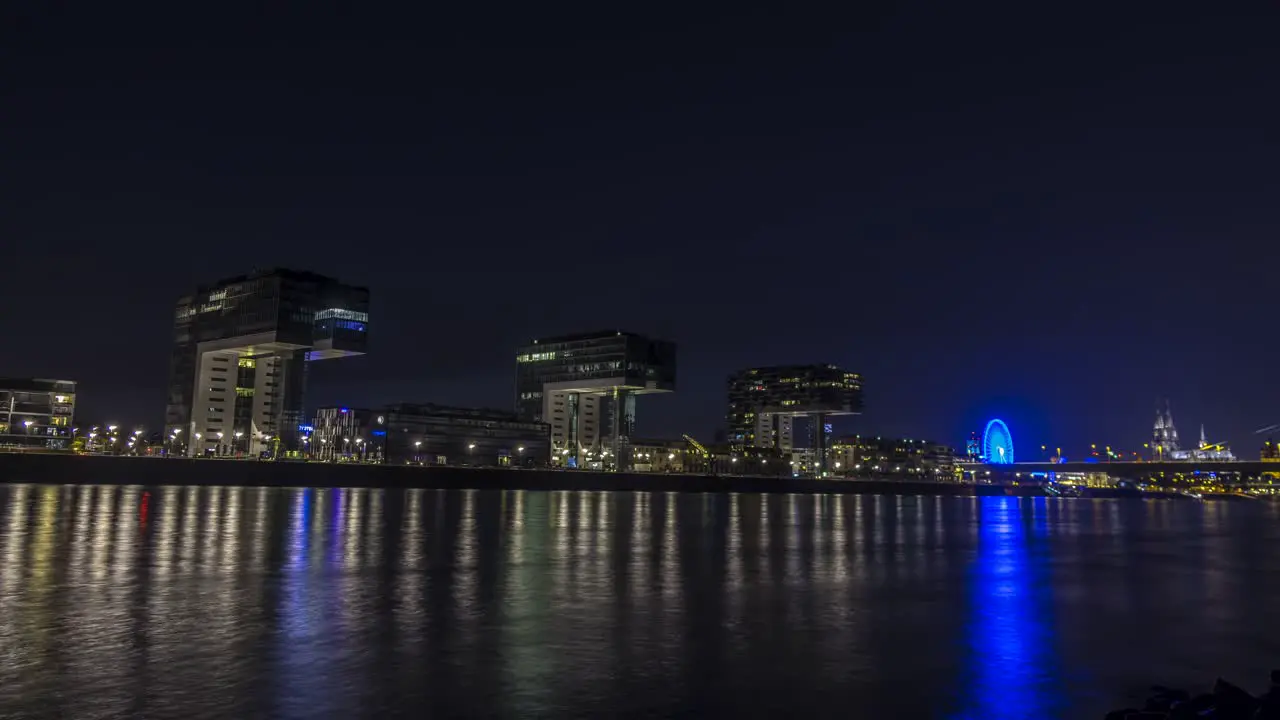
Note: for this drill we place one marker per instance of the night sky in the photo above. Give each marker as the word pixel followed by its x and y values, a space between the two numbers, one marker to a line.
pixel 1051 213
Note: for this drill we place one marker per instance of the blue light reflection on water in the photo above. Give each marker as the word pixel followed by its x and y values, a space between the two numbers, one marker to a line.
pixel 1010 633
pixel 295 650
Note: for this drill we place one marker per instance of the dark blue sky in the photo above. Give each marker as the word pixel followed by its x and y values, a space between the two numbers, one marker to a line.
pixel 1053 214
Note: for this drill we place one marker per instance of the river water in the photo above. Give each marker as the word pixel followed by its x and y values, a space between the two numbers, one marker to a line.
pixel 168 602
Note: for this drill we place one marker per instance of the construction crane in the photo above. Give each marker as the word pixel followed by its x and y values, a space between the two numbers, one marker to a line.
pixel 697 446
pixel 704 455
pixel 1268 428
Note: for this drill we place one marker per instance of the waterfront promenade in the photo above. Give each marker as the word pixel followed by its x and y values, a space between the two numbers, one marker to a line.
pixel 99 469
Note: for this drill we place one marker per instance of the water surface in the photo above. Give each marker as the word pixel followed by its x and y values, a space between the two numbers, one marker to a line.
pixel 124 601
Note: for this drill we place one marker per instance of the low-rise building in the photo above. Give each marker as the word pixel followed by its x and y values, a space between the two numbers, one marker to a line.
pixel 428 434
pixel 37 413
pixel 897 457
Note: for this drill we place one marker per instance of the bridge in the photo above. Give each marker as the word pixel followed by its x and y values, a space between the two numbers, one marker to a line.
pixel 1130 470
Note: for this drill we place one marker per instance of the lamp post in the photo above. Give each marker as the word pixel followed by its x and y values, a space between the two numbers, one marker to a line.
pixel 219 450
pixel 417 451
pixel 239 434
pixel 470 447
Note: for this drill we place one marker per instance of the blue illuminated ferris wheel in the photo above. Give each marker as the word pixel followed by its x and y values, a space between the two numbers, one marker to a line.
pixel 997 443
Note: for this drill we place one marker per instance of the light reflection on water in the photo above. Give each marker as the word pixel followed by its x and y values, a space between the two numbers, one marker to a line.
pixel 243 602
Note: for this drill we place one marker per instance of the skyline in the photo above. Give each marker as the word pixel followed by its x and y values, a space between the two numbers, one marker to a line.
pixel 1051 223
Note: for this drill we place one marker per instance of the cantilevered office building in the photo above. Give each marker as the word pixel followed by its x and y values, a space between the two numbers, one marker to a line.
pixel 241 346
pixel 764 401
pixel 585 387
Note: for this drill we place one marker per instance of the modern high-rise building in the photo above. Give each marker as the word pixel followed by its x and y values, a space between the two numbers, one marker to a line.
pixel 35 412
pixel 764 401
pixel 238 373
pixel 585 388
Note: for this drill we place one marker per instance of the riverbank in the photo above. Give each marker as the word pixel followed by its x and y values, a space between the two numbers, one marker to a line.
pixel 98 469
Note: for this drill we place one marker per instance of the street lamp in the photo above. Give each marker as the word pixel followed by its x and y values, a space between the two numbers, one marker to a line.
pixel 112 428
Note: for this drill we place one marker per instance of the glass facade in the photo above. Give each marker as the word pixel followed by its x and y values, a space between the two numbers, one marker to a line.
pixel 37 413
pixel 270 324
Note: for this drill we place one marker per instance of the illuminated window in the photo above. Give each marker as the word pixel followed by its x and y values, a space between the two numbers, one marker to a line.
pixel 340 314
pixel 244 392
pixel 247 363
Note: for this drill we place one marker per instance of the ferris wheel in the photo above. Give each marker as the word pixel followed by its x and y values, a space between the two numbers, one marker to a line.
pixel 997 443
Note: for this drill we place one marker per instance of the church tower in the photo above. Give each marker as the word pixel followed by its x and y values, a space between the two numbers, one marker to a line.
pixel 1164 436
